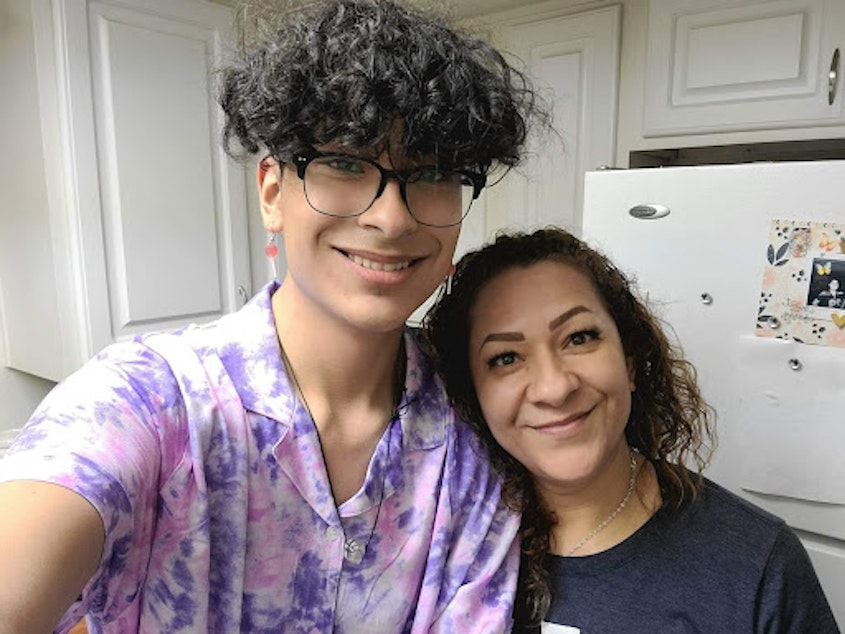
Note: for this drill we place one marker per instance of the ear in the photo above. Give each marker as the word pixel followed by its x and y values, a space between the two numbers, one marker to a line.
pixel 632 373
pixel 269 178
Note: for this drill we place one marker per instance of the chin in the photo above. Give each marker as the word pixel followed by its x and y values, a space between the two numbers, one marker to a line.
pixel 378 322
pixel 571 473
pixel 383 314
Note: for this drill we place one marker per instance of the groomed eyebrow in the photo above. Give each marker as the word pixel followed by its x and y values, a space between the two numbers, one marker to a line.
pixel 565 316
pixel 502 336
pixel 518 336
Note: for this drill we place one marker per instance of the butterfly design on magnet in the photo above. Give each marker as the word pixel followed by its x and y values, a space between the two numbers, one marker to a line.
pixel 828 243
pixel 823 268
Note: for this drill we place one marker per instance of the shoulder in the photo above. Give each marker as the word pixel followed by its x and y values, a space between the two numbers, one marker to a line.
pixel 421 380
pixel 719 503
pixel 121 411
pixel 466 465
pixel 127 400
pixel 172 364
pixel 728 531
pixel 428 419
pixel 723 517
pixel 128 376
pixel 745 524
pixel 144 371
pixel 426 388
pixel 764 549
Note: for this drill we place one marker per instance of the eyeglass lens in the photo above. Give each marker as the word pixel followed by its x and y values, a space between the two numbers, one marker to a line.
pixel 347 186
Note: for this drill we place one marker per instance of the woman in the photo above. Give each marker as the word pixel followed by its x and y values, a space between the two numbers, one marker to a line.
pixel 295 466
pixel 590 414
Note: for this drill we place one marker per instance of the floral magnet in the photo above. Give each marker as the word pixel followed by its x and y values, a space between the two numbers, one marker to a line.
pixel 803 291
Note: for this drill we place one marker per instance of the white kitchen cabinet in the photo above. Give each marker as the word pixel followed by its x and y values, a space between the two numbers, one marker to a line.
pixel 143 223
pixel 723 66
pixel 572 56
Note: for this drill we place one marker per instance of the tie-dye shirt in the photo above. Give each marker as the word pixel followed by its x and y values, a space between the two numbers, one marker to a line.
pixel 219 517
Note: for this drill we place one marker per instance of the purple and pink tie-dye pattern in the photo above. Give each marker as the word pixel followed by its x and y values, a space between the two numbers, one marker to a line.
pixel 219 517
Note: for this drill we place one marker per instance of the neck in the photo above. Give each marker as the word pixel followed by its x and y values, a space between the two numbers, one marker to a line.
pixel 601 514
pixel 346 379
pixel 339 370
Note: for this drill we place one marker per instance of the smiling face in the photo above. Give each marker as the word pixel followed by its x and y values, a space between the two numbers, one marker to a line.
pixel 550 373
pixel 367 272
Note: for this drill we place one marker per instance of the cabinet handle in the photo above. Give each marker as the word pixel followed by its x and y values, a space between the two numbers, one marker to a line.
pixel 833 78
pixel 244 295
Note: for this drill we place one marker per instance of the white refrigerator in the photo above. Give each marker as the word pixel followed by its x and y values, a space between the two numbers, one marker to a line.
pixel 745 264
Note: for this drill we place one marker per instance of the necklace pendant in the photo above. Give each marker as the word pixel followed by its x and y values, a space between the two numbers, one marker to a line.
pixel 353 551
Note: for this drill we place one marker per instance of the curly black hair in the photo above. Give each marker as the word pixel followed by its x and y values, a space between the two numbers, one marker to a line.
pixel 349 71
pixel 670 424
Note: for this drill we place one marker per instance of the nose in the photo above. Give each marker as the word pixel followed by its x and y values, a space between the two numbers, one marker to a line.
pixel 389 212
pixel 551 381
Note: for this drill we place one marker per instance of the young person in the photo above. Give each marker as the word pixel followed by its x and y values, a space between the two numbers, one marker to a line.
pixel 295 466
pixel 590 414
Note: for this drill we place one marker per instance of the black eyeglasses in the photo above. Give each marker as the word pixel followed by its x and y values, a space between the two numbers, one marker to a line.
pixel 343 185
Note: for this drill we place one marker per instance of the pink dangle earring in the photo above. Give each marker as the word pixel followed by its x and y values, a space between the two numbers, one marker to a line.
pixel 271 251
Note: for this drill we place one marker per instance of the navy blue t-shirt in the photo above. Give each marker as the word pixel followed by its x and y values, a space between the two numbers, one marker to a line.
pixel 718 565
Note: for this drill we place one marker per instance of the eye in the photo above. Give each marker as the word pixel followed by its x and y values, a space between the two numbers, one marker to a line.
pixel 502 360
pixel 343 164
pixel 583 337
pixel 432 175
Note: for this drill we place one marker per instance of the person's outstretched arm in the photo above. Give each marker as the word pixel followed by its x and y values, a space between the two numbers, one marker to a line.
pixel 51 540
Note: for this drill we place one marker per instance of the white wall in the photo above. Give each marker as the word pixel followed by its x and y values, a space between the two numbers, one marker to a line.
pixel 19 392
pixel 19 395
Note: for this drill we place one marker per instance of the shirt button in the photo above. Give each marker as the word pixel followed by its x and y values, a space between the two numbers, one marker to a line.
pixel 332 532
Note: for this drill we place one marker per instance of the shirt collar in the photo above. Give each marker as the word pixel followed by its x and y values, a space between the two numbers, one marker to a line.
pixel 249 349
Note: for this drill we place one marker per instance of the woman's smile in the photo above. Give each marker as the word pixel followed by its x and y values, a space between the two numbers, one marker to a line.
pixel 565 426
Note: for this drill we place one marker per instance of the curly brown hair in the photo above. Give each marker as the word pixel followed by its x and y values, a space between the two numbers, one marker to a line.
pixel 670 424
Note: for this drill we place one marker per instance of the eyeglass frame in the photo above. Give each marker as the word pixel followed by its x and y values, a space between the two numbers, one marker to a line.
pixel 302 159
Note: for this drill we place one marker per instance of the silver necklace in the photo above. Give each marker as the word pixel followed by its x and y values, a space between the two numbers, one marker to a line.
pixel 354 550
pixel 603 524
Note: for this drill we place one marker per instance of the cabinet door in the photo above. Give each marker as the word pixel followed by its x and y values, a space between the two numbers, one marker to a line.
pixel 714 65
pixel 574 60
pixel 158 236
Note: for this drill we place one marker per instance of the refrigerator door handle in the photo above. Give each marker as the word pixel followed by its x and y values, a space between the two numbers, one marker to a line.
pixel 649 211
